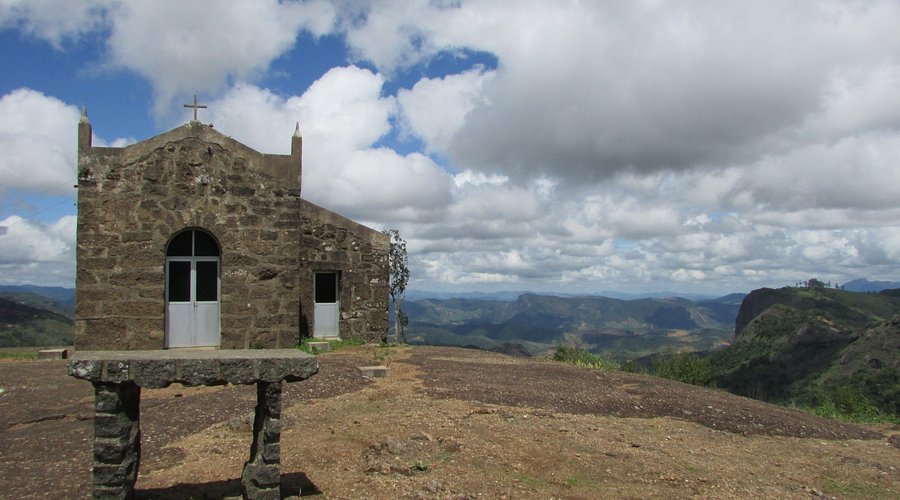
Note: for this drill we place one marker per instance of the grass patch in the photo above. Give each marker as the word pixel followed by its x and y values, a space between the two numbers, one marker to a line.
pixel 383 352
pixel 530 481
pixel 856 489
pixel 18 355
pixel 418 466
pixel 856 409
pixel 581 480
pixel 585 359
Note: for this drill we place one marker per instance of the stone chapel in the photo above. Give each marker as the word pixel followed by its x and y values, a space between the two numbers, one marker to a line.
pixel 192 239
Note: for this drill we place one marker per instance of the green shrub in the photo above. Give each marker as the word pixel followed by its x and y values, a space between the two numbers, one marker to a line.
pixel 851 406
pixel 683 366
pixel 586 359
pixel 632 366
pixel 21 355
pixel 333 343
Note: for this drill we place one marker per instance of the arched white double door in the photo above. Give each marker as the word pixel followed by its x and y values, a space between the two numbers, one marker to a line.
pixel 193 260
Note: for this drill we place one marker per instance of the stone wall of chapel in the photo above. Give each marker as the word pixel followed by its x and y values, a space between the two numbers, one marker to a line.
pixel 330 242
pixel 132 200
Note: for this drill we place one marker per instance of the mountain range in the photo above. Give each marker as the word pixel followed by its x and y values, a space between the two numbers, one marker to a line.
pixel 864 285
pixel 622 328
pixel 795 345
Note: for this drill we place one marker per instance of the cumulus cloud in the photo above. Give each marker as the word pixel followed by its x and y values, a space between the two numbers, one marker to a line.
pixel 435 108
pixel 32 252
pixel 586 90
pixel 179 47
pixel 184 47
pixel 342 116
pixel 37 137
pixel 55 21
pixel 625 145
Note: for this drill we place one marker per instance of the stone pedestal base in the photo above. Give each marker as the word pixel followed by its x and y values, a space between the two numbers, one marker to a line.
pixel 119 375
pixel 117 439
pixel 262 473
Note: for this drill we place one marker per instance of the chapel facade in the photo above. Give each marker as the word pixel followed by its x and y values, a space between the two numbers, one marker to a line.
pixel 192 239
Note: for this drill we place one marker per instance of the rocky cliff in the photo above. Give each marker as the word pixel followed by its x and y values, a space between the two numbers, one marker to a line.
pixel 806 345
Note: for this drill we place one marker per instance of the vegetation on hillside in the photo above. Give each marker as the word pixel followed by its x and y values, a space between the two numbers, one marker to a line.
pixel 23 325
pixel 832 352
pixel 53 298
pixel 815 346
pixel 585 359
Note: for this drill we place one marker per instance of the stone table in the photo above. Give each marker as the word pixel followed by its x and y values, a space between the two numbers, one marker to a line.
pixel 119 375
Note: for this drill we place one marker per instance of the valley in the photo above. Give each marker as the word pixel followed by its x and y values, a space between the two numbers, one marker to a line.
pixel 624 329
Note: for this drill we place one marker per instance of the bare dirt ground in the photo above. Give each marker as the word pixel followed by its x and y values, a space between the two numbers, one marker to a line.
pixel 450 423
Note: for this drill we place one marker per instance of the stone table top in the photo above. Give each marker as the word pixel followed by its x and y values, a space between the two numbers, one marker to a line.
pixel 193 367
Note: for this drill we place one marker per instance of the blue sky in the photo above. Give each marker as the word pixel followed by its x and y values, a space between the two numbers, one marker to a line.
pixel 702 147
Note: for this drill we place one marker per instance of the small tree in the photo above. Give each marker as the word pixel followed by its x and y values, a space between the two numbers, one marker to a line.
pixel 397 260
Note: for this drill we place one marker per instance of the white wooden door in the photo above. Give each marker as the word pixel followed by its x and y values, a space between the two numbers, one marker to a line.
pixel 326 312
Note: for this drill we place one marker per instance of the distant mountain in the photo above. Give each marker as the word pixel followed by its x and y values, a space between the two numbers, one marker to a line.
pixel 804 345
pixel 511 295
pixel 63 298
pixel 539 323
pixel 23 325
pixel 501 295
pixel 36 316
pixel 864 285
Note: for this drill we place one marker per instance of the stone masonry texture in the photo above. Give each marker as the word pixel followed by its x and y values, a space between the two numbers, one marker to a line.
pixel 117 439
pixel 261 478
pixel 132 201
pixel 156 369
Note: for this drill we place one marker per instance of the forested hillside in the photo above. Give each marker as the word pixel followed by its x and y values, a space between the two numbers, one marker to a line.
pixel 32 320
pixel 806 345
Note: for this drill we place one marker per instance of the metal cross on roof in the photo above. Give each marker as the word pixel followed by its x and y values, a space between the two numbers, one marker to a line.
pixel 195 106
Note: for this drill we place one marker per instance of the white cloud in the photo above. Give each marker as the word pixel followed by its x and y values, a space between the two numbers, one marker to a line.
pixel 343 107
pixel 31 252
pixel 585 90
pixel 38 135
pixel 468 177
pixel 38 139
pixel 631 145
pixel 858 100
pixel 434 109
pixel 55 21
pixel 199 46
pixel 342 116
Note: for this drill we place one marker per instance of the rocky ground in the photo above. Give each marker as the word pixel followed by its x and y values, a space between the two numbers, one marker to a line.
pixel 451 423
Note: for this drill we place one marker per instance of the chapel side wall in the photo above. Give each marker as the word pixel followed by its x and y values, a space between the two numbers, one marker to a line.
pixel 330 242
pixel 132 200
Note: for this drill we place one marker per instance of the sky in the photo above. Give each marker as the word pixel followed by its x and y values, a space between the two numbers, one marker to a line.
pixel 641 146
